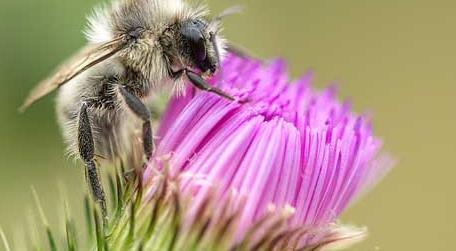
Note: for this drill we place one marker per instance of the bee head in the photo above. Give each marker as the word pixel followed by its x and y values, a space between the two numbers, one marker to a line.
pixel 199 45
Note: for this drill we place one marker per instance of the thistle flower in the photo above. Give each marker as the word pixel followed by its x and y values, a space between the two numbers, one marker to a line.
pixel 288 146
pixel 272 173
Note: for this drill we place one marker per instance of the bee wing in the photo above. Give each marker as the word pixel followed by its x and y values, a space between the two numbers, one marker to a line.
pixel 87 57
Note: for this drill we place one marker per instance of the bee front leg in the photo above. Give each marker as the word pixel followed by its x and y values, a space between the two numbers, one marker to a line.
pixel 201 84
pixel 87 153
pixel 198 82
pixel 140 110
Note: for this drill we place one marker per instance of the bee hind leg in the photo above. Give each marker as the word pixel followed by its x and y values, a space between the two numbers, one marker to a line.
pixel 140 110
pixel 87 152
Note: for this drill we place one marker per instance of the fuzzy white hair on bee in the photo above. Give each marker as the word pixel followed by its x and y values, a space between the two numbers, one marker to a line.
pixel 150 13
pixel 135 47
pixel 167 36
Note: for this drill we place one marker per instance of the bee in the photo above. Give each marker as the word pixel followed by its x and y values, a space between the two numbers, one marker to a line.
pixel 134 47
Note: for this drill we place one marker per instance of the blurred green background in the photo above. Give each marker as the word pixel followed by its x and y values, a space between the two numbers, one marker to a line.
pixel 396 59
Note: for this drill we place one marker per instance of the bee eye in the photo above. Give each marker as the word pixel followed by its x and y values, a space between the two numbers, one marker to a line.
pixel 194 41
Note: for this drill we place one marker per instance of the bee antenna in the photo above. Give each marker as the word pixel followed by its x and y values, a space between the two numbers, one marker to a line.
pixel 236 9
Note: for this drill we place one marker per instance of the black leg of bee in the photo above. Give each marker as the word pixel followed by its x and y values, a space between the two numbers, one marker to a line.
pixel 87 153
pixel 214 44
pixel 201 84
pixel 148 143
pixel 140 110
pixel 198 82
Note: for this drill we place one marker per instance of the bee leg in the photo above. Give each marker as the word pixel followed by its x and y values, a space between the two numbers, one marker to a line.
pixel 216 49
pixel 201 84
pixel 87 153
pixel 140 110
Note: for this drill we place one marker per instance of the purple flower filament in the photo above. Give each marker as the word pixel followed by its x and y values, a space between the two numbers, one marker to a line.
pixel 287 146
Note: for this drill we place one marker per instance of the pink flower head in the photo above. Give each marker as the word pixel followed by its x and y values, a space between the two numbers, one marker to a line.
pixel 287 146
